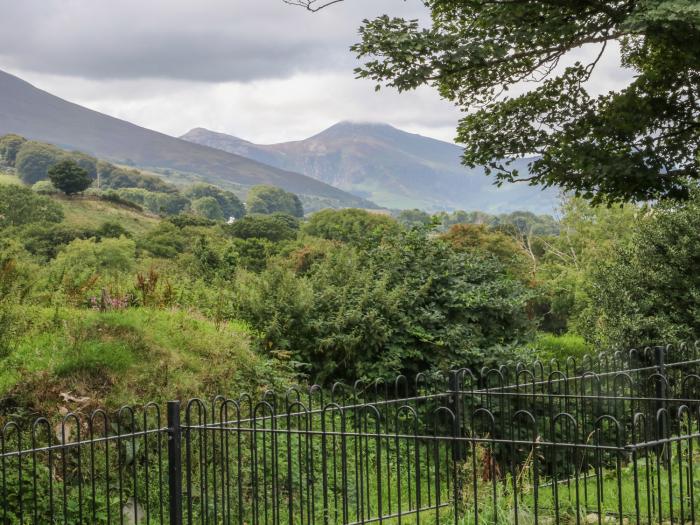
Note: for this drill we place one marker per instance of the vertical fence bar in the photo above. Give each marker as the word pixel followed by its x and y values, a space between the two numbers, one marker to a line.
pixel 174 463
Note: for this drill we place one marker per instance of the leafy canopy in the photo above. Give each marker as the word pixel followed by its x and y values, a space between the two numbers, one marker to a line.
pixel 637 143
pixel 9 147
pixel 231 206
pixel 352 225
pixel 274 228
pixel 69 177
pixel 648 292
pixel 270 199
pixel 34 160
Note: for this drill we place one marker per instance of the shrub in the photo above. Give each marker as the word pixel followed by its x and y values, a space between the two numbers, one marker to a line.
pixel 83 265
pixel 111 230
pixel 414 218
pixel 20 205
pixel 113 197
pixel 45 240
pixel 480 238
pixel 44 187
pixel 185 219
pixel 87 162
pixel 560 347
pixel 167 241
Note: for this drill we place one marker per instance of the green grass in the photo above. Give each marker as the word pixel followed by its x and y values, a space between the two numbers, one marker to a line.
pixel 87 212
pixel 129 356
pixel 8 178
pixel 551 346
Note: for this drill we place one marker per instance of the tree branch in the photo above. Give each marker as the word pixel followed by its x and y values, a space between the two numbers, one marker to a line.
pixel 312 5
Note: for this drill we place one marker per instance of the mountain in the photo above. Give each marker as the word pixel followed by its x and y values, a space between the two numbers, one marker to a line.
pixel 391 167
pixel 38 115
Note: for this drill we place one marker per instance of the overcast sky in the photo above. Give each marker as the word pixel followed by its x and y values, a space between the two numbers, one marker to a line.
pixel 258 69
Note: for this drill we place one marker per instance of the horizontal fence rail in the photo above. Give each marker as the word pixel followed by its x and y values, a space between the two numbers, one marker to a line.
pixel 610 439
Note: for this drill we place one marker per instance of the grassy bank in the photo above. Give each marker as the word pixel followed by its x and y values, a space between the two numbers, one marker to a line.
pixel 119 357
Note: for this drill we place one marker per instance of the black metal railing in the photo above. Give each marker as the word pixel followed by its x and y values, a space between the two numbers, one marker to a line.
pixel 612 439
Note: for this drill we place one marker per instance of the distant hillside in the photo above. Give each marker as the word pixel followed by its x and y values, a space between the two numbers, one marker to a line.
pixel 38 115
pixel 390 167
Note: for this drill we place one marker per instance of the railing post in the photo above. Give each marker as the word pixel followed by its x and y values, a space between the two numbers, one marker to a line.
pixel 174 463
pixel 456 400
pixel 661 424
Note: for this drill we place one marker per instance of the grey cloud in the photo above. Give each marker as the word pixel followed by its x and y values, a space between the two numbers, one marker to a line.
pixel 206 40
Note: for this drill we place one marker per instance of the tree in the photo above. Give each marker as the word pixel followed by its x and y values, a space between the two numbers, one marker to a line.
pixel 208 207
pixel 637 143
pixel 113 177
pixel 648 291
pixel 34 160
pixel 9 147
pixel 587 236
pixel 69 177
pixel 156 202
pixel 351 225
pixel 272 228
pixel 87 162
pixel 270 199
pixel 231 206
pixel 406 305
pixel 482 239
pixel 412 218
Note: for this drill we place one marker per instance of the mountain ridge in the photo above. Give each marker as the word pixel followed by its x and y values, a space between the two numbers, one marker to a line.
pixel 389 166
pixel 39 115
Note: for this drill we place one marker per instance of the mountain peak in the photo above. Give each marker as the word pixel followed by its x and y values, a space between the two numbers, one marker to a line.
pixel 38 115
pixel 392 167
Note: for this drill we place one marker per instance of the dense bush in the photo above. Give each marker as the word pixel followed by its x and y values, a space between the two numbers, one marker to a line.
pixel 20 205
pixel 185 219
pixel 167 240
pixel 407 304
pixel 87 162
pixel 44 187
pixel 561 347
pixel 85 265
pixel 44 240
